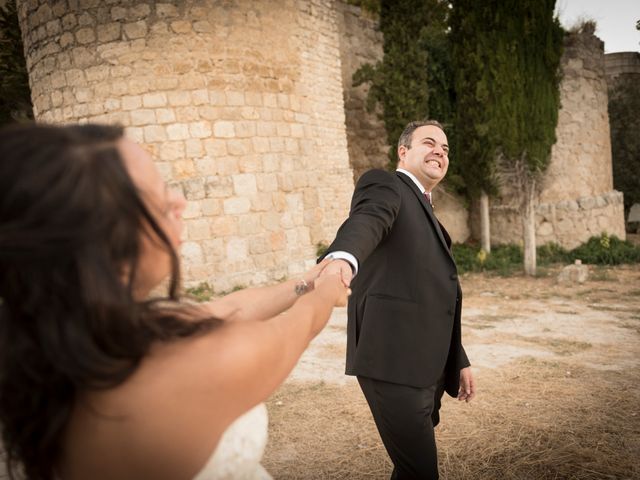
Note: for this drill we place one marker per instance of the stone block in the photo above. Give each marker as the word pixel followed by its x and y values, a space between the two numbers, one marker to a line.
pixel 223 129
pixel 239 147
pixel 135 30
pixel 211 207
pixel 171 151
pixel 143 117
pixel 139 11
pixel 69 21
pixel 178 131
pixel 180 26
pixel 165 115
pixel 183 168
pixel 260 144
pixel 154 133
pixel 112 104
pixel 85 35
pixel 192 210
pixel 154 100
pixel 237 249
pixel 194 148
pixel 131 102
pixel 200 129
pixel 53 27
pixel 249 224
pixel 266 129
pixel 223 226
pixel 236 205
pixel 244 184
pixel 192 253
pixel 235 98
pixel 179 98
pixel 97 74
pixel 66 39
pixel 215 147
pixel 166 10
pixel 587 203
pixel 218 187
pixel 194 188
pixel 202 26
pixel 198 229
pixel 187 114
pixel 118 13
pixel 572 274
pixel 245 129
pixel 200 97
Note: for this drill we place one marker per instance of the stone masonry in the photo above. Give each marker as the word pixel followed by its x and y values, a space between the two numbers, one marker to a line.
pixel 249 108
pixel 240 103
pixel 360 43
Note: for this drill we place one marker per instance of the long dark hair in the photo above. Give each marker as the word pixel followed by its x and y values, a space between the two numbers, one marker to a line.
pixel 70 224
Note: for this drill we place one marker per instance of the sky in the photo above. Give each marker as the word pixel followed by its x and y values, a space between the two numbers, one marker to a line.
pixel 615 19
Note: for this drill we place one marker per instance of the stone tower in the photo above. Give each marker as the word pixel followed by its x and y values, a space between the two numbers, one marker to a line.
pixel 240 102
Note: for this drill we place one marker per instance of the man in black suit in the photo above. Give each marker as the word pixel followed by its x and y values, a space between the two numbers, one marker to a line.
pixel 403 332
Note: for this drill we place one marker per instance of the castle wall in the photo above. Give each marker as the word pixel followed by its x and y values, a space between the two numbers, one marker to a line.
pixel 360 43
pixel 577 198
pixel 239 102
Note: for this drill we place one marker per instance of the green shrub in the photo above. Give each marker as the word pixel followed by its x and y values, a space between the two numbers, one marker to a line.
pixel 465 256
pixel 202 292
pixel 503 259
pixel 552 253
pixel 606 250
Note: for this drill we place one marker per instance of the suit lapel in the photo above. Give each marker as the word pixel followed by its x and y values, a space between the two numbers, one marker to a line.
pixel 443 235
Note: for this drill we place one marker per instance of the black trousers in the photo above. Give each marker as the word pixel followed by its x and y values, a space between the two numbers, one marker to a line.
pixel 405 417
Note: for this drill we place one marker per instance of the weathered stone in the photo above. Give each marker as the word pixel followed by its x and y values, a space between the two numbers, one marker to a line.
pixel 572 274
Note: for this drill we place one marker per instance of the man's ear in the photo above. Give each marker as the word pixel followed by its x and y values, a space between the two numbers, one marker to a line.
pixel 402 151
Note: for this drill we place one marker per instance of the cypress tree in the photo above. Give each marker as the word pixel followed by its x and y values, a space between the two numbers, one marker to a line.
pixel 506 62
pixel 414 78
pixel 15 95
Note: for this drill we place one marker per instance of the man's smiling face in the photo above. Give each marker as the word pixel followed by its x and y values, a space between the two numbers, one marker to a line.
pixel 428 157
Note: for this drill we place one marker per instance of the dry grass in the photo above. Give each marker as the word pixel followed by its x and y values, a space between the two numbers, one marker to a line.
pixel 532 420
pixel 573 414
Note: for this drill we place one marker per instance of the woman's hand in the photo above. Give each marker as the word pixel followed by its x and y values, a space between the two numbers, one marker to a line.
pixel 310 276
pixel 332 286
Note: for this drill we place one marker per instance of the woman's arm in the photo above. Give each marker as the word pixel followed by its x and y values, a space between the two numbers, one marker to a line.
pixel 262 303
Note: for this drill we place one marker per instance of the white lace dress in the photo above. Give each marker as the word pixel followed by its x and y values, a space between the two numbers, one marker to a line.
pixel 240 449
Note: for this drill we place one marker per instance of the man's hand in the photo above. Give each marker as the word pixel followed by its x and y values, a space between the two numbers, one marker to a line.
pixel 339 267
pixel 467 389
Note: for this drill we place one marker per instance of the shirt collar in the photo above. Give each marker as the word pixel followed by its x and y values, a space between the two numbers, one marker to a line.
pixel 413 178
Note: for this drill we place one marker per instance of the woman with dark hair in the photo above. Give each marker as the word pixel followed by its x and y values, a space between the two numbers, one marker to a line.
pixel 99 381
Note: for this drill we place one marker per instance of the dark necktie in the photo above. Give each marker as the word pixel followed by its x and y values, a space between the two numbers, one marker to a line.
pixel 427 195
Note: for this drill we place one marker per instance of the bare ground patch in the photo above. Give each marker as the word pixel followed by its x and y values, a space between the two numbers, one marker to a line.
pixel 557 378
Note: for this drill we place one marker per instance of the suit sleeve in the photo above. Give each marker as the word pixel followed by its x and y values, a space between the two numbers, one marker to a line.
pixel 374 207
pixel 463 359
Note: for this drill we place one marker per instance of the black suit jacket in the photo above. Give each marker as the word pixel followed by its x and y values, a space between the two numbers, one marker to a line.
pixel 404 312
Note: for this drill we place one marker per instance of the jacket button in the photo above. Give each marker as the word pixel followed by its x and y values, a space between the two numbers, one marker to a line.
pixel 453 276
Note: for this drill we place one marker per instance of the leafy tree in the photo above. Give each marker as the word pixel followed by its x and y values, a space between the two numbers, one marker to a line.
pixel 624 105
pixel 413 80
pixel 506 57
pixel 15 95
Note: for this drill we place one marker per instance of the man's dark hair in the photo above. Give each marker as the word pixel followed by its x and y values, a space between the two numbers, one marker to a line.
pixel 407 134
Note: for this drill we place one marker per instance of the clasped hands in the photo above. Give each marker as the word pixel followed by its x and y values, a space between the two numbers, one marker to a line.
pixel 336 273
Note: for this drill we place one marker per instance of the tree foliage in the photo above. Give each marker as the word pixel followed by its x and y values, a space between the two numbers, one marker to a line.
pixel 624 105
pixel 15 95
pixel 506 57
pixel 414 78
